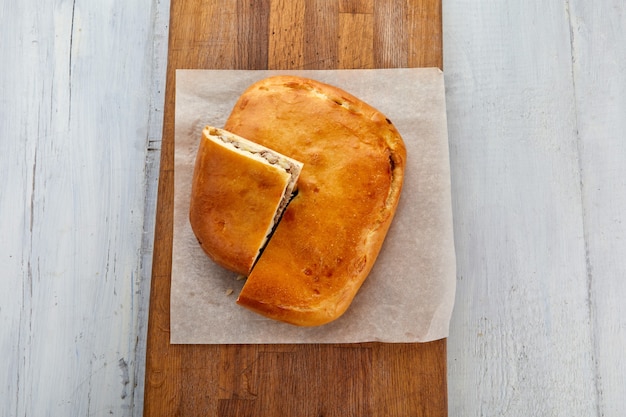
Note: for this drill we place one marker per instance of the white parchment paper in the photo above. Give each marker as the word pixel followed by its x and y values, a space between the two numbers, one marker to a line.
pixel 409 295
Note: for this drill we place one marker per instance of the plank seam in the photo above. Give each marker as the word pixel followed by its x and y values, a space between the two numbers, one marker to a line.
pixel 69 101
pixel 588 265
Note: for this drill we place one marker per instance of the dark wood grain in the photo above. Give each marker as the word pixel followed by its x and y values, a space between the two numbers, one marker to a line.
pixel 315 380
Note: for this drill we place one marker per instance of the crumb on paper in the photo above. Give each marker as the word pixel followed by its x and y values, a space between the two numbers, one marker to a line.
pixel 229 291
pixel 240 277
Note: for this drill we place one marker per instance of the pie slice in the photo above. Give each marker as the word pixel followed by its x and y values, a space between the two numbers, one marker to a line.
pixel 239 192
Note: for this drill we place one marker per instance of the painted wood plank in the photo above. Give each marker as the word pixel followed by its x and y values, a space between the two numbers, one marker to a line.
pixel 599 64
pixel 159 38
pixel 520 341
pixel 75 85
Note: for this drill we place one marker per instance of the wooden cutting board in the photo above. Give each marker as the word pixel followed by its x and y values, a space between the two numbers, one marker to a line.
pixel 372 379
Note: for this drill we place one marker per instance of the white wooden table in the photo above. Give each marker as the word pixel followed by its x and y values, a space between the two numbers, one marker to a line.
pixel 536 95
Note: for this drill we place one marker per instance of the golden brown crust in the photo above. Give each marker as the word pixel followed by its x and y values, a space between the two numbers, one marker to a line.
pixel 234 198
pixel 331 233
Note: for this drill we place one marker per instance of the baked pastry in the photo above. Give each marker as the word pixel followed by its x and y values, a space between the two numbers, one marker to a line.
pixel 331 232
pixel 238 193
